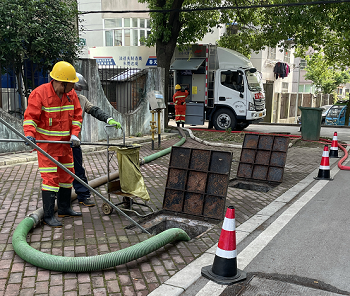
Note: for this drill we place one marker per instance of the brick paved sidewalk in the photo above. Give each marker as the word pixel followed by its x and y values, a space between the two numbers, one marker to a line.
pixel 96 233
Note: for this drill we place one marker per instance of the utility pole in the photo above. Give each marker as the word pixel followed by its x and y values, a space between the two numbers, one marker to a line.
pixel 301 66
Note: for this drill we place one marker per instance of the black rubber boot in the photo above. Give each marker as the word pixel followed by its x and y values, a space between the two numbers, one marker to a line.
pixel 64 203
pixel 49 208
pixel 183 125
pixel 178 124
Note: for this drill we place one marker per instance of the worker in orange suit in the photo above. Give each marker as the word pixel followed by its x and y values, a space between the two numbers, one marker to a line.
pixel 179 99
pixel 54 114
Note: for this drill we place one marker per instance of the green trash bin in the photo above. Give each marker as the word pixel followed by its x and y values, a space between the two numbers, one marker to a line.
pixel 311 123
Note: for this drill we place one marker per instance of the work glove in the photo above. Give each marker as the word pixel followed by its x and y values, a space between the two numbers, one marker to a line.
pixel 30 139
pixel 116 123
pixel 75 141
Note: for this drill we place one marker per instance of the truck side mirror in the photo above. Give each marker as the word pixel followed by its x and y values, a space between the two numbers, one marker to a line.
pixel 241 95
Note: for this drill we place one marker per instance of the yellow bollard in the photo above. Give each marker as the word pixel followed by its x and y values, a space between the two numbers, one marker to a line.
pixel 159 129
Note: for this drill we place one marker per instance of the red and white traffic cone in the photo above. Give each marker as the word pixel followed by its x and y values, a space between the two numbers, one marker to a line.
pixel 224 269
pixel 325 171
pixel 334 147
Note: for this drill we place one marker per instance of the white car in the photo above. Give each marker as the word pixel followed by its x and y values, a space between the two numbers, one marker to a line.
pixel 324 112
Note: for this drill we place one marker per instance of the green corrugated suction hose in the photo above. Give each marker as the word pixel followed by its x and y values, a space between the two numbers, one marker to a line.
pixel 154 156
pixel 86 264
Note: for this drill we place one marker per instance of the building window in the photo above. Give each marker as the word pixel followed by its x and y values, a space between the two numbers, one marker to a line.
pixel 113 23
pixel 302 64
pixel 127 37
pixel 284 87
pixel 118 37
pixel 126 31
pixel 109 38
pixel 271 53
pixel 286 55
pixel 307 88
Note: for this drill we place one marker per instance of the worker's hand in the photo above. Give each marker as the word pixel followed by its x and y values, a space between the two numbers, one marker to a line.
pixel 30 139
pixel 116 123
pixel 75 141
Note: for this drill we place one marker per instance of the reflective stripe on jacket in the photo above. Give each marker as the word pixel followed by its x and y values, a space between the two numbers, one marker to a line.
pixel 48 117
pixel 179 98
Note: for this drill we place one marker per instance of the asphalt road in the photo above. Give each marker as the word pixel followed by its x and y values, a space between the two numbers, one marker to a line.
pixel 326 131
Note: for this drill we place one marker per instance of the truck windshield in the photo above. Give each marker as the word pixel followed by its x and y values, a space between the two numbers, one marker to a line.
pixel 254 81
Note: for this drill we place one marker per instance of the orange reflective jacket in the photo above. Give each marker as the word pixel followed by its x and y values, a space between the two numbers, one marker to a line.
pixel 48 117
pixel 179 98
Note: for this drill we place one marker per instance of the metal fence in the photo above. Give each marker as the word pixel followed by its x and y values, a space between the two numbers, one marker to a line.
pixel 124 88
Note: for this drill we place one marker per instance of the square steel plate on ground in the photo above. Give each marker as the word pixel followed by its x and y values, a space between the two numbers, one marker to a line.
pixel 263 157
pixel 197 182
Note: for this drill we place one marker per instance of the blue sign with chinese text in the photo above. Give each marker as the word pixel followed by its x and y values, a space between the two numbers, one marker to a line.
pixel 152 61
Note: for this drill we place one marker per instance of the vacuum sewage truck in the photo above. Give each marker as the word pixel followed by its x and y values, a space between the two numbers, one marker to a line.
pixel 224 87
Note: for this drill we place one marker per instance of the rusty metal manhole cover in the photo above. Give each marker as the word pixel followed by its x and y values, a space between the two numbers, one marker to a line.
pixel 197 182
pixel 263 157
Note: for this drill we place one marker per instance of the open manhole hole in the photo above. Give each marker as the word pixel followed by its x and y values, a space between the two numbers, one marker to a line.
pixel 254 186
pixel 160 221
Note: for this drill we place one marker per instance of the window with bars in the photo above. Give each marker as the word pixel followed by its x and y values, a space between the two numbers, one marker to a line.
pixel 126 31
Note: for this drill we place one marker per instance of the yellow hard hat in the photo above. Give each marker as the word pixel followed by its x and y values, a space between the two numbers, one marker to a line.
pixel 177 86
pixel 64 71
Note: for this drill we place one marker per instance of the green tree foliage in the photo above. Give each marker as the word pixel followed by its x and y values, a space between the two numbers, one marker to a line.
pixel 324 75
pixel 37 31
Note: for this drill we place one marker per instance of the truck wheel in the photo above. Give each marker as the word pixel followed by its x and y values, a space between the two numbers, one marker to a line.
pixel 224 119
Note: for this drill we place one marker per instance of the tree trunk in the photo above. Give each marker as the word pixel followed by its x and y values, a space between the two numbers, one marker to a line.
pixel 165 47
pixel 164 56
pixel 347 113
